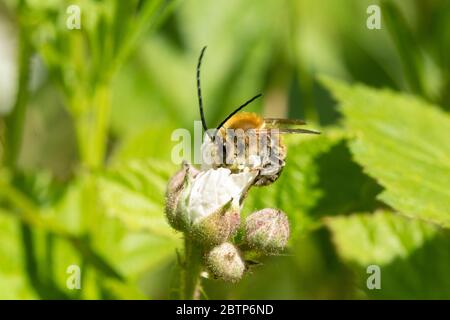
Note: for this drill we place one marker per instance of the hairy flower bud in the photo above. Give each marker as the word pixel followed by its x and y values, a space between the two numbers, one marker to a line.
pixel 267 230
pixel 178 183
pixel 217 227
pixel 225 262
pixel 212 204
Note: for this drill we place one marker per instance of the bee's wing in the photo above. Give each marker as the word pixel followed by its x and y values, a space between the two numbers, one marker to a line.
pixel 282 126
pixel 278 122
pixel 283 130
pixel 286 130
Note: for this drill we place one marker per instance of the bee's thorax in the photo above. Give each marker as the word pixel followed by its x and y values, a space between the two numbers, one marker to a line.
pixel 245 121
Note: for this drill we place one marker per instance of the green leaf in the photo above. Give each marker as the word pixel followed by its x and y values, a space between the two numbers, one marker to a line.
pixel 114 250
pixel 133 253
pixel 134 193
pixel 402 142
pixel 413 256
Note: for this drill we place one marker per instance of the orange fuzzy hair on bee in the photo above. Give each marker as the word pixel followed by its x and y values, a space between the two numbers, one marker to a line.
pixel 245 121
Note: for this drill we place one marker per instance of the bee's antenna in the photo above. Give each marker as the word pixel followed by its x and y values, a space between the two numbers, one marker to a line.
pixel 237 110
pixel 199 91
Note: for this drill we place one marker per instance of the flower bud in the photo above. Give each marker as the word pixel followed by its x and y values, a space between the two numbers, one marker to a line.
pixel 267 230
pixel 225 262
pixel 212 204
pixel 217 227
pixel 178 183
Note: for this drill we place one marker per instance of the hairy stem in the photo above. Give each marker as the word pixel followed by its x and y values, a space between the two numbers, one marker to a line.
pixel 192 269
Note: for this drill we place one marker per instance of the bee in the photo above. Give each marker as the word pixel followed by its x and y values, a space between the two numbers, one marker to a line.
pixel 245 141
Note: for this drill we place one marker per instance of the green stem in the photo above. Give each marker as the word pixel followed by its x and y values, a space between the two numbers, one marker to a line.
pixel 192 269
pixel 92 127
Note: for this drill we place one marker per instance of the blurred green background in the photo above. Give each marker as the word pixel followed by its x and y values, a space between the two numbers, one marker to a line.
pixel 87 117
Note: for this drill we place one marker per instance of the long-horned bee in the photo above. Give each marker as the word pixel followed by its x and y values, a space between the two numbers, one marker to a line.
pixel 245 141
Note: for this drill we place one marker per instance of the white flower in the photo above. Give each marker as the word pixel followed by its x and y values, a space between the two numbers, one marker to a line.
pixel 214 188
